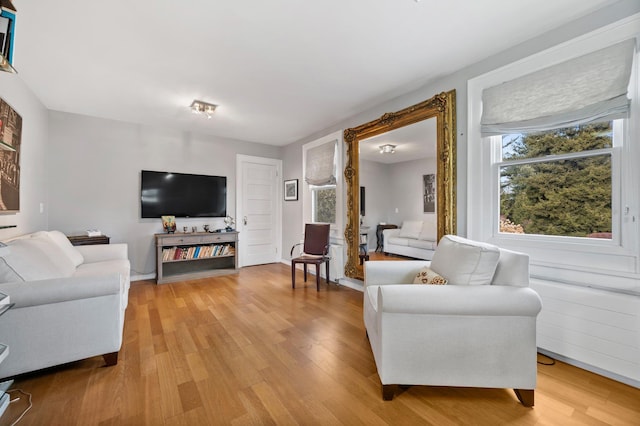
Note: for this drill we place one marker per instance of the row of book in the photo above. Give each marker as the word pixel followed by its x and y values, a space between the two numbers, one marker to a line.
pixel 197 252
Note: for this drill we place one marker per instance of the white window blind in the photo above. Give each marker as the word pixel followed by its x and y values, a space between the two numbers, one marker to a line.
pixel 320 168
pixel 588 88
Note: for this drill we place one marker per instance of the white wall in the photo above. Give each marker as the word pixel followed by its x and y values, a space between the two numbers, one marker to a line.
pixel 376 181
pixel 94 176
pixel 406 189
pixel 33 165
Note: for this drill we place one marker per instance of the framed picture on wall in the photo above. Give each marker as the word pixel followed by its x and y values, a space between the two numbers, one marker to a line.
pixel 10 144
pixel 429 193
pixel 291 190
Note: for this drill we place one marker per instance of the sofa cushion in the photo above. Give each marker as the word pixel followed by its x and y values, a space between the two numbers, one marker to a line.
pixel 411 229
pixel 429 229
pixel 399 241
pixel 427 276
pixel 106 267
pixel 464 261
pixel 423 244
pixel 67 248
pixel 38 258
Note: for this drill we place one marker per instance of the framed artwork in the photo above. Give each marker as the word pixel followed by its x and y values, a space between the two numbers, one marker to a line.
pixel 169 223
pixel 429 193
pixel 10 141
pixel 291 190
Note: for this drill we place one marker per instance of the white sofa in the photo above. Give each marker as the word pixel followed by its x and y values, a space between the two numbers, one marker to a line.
pixel 479 330
pixel 415 238
pixel 69 301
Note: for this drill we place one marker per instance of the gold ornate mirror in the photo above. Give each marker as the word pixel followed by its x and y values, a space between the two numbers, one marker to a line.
pixel 442 107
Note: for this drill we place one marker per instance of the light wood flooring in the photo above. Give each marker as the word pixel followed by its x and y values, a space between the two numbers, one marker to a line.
pixel 247 349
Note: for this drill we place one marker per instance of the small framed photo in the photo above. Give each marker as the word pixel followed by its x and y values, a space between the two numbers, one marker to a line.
pixel 291 190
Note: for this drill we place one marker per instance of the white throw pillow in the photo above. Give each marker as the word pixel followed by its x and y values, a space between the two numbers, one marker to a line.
pixel 429 229
pixel 464 261
pixel 38 258
pixel 427 276
pixel 411 229
pixel 67 248
pixel 7 274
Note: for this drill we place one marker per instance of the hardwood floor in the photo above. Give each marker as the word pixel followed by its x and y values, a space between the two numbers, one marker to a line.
pixel 247 349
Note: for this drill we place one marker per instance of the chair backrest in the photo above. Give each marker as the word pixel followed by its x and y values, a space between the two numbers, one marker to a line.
pixel 316 238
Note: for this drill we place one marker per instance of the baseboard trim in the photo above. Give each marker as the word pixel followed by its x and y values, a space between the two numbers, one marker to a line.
pixel 591 368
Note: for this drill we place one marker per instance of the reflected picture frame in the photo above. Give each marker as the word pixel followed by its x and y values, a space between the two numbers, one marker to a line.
pixel 291 190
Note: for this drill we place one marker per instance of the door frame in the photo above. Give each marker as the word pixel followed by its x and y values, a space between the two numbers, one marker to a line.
pixel 240 160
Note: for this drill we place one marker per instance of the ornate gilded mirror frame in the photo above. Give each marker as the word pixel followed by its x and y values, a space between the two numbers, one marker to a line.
pixel 441 106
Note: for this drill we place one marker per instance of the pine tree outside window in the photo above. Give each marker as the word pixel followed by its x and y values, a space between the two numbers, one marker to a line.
pixel 558 182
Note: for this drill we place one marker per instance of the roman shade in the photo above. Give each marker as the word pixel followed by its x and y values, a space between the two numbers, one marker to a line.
pixel 320 164
pixel 589 88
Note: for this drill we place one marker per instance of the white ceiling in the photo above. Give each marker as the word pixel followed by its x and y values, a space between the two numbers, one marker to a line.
pixel 280 70
pixel 412 142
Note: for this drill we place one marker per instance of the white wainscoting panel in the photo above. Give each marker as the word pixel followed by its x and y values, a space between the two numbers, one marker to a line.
pixel 595 327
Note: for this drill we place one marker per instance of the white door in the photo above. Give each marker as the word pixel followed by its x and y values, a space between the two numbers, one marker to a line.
pixel 258 210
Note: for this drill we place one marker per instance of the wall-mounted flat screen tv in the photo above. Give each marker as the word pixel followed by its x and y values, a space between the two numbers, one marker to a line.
pixel 182 195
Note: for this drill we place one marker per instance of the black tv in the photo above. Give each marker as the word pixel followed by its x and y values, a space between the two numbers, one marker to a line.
pixel 182 195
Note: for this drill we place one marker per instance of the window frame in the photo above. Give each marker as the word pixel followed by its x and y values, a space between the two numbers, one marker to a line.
pixel 611 264
pixel 314 197
pixel 307 195
pixel 614 152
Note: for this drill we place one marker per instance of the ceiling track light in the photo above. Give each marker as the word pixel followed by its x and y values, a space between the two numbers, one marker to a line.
pixel 387 149
pixel 200 107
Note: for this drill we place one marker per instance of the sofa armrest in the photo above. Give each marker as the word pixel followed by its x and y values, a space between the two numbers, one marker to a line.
pixel 381 272
pixel 102 252
pixel 43 292
pixel 459 300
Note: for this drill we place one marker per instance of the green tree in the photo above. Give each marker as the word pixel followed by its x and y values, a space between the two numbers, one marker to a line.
pixel 570 197
pixel 326 205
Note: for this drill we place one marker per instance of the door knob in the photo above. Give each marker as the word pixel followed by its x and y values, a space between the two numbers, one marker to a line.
pixel 244 220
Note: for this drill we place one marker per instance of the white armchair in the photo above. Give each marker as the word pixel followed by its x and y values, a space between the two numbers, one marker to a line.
pixel 479 330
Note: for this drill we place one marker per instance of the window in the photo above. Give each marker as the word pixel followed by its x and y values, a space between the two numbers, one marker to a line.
pixel 323 203
pixel 558 182
pixel 322 187
pixel 552 161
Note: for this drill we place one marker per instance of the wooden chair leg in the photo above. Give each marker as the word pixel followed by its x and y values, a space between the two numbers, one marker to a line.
pixel 304 267
pixel 293 275
pixel 110 359
pixel 327 272
pixel 525 396
pixel 317 277
pixel 388 391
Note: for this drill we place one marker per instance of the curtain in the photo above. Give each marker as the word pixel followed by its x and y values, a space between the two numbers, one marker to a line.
pixel 589 88
pixel 321 165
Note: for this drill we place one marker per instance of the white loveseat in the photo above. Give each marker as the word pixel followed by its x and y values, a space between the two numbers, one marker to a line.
pixel 69 301
pixel 479 330
pixel 415 238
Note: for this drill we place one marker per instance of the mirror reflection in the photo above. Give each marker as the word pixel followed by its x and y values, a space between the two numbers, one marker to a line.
pixel 398 170
pixel 409 186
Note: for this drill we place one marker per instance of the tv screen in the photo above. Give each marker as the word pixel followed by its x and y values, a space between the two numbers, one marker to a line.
pixel 182 195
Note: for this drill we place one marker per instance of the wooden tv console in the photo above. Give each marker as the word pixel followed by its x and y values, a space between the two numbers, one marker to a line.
pixel 188 256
